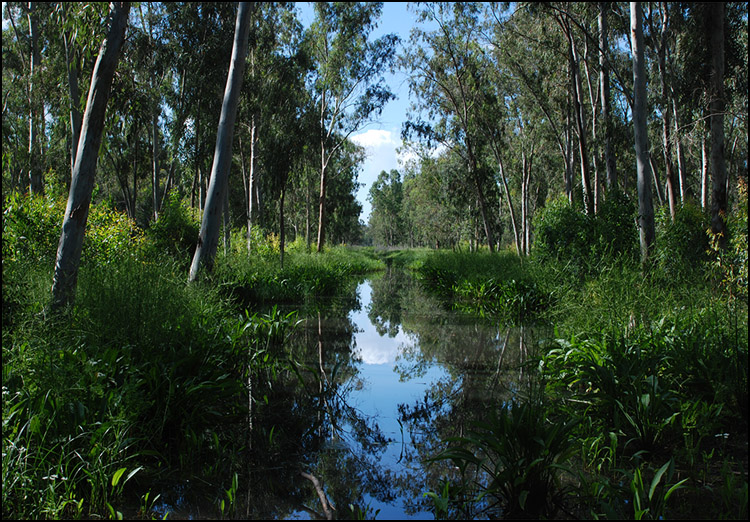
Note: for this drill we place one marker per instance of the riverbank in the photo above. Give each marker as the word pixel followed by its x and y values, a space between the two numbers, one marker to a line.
pixel 145 380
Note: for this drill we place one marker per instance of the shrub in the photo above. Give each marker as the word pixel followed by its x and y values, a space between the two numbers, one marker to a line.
pixel 176 231
pixel 616 227
pixel 681 245
pixel 31 228
pixel 563 233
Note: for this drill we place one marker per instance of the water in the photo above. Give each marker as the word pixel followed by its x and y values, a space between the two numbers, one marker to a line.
pixel 418 374
pixel 382 378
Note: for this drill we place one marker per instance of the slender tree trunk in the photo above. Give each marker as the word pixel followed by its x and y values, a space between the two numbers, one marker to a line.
pixel 577 95
pixel 645 205
pixel 35 167
pixel 716 108
pixel 609 156
pixel 282 237
pixel 82 183
pixel 72 67
pixel 680 154
pixel 666 124
pixel 510 203
pixel 155 162
pixel 252 182
pixel 322 197
pixel 208 238
pixel 135 172
pixel 704 172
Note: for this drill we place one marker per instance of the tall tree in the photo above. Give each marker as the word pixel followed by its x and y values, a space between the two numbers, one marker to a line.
pixel 446 73
pixel 645 205
pixel 609 155
pixel 209 233
pixel 386 196
pixel 84 172
pixel 348 89
pixel 715 29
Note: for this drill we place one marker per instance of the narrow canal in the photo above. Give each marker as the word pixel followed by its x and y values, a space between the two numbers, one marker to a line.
pixel 371 386
pixel 412 374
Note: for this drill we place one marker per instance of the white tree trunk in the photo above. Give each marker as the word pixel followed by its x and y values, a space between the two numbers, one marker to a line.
pixel 209 233
pixel 645 203
pixel 84 171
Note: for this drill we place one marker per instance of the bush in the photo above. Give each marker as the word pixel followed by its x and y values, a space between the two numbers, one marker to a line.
pixel 31 228
pixel 616 228
pixel 176 231
pixel 565 234
pixel 562 233
pixel 682 244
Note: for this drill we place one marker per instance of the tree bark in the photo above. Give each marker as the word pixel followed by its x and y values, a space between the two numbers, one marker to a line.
pixel 35 167
pixel 208 238
pixel 609 156
pixel 645 204
pixel 72 66
pixel 82 183
pixel 666 124
pixel 716 108
pixel 155 162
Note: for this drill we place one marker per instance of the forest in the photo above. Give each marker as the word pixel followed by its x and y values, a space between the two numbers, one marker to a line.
pixel 181 220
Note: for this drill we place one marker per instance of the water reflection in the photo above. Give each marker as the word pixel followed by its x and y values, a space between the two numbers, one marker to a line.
pixel 382 379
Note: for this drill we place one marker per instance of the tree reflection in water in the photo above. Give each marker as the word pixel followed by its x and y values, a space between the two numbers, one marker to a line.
pixel 314 418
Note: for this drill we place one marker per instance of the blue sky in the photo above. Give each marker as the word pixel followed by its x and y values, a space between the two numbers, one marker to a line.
pixel 381 139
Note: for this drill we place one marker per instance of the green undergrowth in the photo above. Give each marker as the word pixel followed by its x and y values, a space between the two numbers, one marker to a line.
pixel 143 381
pixel 492 286
pixel 643 406
pixel 259 279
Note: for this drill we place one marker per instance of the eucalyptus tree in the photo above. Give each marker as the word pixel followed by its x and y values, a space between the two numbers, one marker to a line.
pixel 445 73
pixel 347 83
pixel 715 29
pixel 209 231
pixel 386 219
pixel 197 34
pixel 82 183
pixel 80 27
pixel 274 110
pixel 25 19
pixel 640 108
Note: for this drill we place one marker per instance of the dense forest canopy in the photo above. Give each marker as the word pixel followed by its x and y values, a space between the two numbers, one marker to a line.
pixel 512 105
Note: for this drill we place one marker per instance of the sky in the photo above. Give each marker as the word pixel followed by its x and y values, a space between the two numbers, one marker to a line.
pixel 382 138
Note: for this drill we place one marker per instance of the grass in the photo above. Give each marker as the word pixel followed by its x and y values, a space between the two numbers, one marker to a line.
pixel 144 380
pixel 651 365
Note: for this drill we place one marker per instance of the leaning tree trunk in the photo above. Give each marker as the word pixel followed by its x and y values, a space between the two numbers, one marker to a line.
pixel 82 182
pixel 666 124
pixel 645 204
pixel 209 233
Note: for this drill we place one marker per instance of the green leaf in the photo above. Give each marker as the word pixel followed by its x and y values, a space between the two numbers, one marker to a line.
pixel 657 479
pixel 116 477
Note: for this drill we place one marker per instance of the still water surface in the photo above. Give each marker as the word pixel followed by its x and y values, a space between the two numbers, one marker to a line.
pixel 383 377
pixel 419 373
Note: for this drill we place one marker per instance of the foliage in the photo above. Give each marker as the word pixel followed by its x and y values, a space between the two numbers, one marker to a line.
pixel 571 237
pixel 31 228
pixel 682 243
pixel 563 233
pixel 175 233
pixel 514 459
pixel 730 264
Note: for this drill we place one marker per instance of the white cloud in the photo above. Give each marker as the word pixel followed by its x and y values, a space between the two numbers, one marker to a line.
pixel 376 138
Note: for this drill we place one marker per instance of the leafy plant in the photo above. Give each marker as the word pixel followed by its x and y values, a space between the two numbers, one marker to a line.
pixel 516 457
